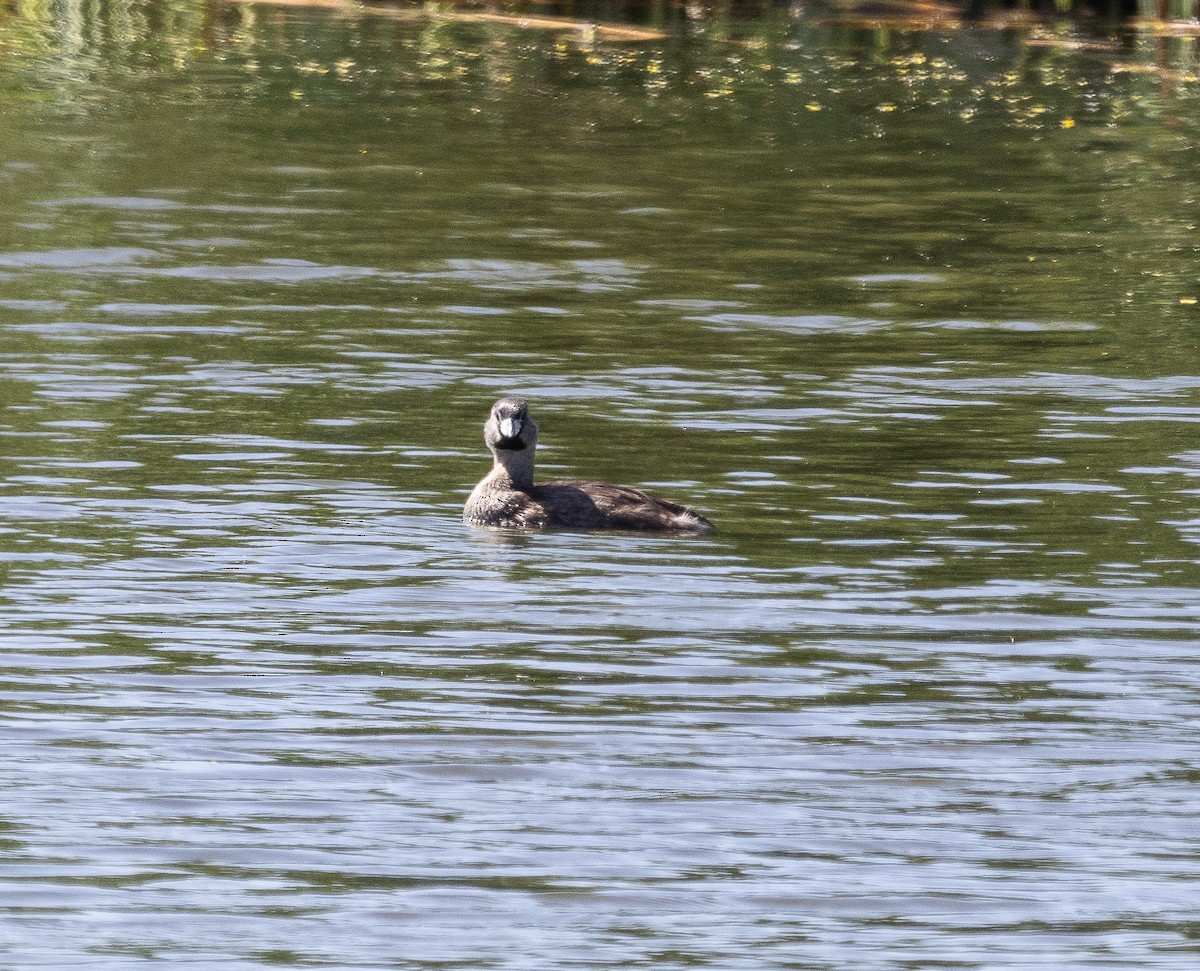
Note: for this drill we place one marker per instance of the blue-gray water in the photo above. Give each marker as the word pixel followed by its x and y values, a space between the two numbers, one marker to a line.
pixel 911 316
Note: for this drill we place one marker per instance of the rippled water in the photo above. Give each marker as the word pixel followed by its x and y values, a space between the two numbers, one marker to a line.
pixel 911 316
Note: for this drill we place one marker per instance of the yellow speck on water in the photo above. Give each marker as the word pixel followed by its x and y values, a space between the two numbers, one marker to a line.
pixel 813 106
pixel 1188 301
pixel 1068 123
pixel 297 94
pixel 885 107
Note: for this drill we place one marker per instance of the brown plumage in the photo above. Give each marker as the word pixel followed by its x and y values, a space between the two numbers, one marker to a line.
pixel 507 496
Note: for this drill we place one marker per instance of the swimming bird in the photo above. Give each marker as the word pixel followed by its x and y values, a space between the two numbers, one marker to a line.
pixel 507 496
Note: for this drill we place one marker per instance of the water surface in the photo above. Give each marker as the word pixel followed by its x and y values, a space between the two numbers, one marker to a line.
pixel 911 316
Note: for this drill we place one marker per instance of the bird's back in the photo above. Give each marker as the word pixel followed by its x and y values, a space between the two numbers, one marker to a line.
pixel 579 504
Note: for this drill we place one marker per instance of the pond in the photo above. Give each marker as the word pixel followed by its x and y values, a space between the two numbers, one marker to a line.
pixel 912 315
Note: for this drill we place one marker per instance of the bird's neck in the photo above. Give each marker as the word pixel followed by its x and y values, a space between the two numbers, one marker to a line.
pixel 515 467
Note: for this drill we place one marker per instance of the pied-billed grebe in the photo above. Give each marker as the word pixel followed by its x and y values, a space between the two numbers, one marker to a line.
pixel 507 496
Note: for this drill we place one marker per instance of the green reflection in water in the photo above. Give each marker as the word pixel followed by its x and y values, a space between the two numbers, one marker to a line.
pixel 852 288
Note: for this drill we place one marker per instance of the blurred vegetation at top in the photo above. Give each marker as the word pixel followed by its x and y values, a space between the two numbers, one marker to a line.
pixel 711 47
pixel 188 20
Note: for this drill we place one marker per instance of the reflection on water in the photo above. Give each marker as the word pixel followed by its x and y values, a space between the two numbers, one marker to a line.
pixel 910 316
